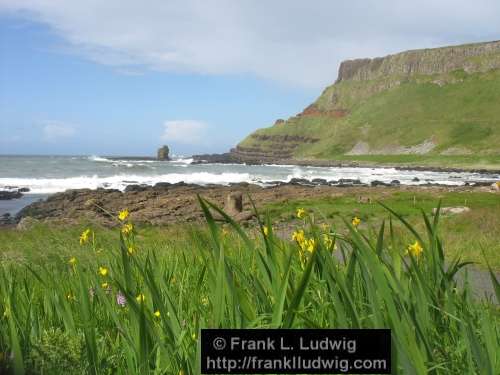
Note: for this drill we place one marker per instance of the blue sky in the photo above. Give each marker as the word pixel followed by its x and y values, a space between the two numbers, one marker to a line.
pixel 55 102
pixel 120 77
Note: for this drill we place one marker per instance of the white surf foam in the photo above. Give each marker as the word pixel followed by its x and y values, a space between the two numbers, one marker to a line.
pixel 215 174
pixel 54 185
pixel 99 159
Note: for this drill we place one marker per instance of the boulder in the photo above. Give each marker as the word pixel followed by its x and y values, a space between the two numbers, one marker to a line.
pixel 379 183
pixel 27 223
pixel 234 203
pixel 319 181
pixel 452 210
pixel 162 186
pixel 300 181
pixel 7 219
pixel 141 187
pixel 7 194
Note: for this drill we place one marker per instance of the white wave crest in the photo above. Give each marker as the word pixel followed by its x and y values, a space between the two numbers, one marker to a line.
pixel 120 182
pixel 99 159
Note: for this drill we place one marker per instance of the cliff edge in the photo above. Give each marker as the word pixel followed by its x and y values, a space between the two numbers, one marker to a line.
pixel 424 105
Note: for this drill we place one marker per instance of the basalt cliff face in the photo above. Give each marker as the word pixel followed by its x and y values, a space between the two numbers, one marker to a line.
pixel 435 102
pixel 427 62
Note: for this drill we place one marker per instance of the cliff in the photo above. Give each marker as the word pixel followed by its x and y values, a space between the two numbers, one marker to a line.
pixel 471 58
pixel 438 103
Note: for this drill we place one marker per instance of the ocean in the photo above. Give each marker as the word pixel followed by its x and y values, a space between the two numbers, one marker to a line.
pixel 45 175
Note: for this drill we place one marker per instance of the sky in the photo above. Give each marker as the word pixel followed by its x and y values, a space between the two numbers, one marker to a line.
pixel 123 77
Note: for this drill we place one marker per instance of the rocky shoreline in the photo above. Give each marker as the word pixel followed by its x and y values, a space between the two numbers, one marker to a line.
pixel 166 203
pixel 233 157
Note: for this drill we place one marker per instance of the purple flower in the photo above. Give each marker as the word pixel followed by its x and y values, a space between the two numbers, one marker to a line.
pixel 120 299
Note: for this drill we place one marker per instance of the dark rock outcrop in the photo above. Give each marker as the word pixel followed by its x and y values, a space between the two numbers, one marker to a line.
pixel 423 62
pixel 163 153
pixel 10 194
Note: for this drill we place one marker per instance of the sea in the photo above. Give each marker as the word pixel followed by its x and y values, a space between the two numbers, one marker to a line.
pixel 46 175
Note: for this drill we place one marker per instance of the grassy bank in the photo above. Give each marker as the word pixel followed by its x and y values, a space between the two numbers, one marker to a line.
pixel 472 235
pixel 459 115
pixel 132 300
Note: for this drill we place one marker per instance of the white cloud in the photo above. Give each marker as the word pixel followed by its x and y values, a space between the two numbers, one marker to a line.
pixel 294 41
pixel 54 131
pixel 188 132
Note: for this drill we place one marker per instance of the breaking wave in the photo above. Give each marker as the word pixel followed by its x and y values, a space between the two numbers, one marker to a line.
pixel 120 182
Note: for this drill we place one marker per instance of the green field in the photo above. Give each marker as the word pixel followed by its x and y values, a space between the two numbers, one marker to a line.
pixel 60 291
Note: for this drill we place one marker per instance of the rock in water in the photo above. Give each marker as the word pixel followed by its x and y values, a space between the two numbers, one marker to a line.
pixel 6 194
pixel 162 153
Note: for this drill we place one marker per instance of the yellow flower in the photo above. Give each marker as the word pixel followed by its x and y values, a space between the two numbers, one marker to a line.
pixel 204 301
pixel 103 271
pixel 356 221
pixel 416 249
pixel 123 214
pixel 157 313
pixel 301 213
pixel 127 228
pixel 70 296
pixel 140 297
pixel 327 240
pixel 266 231
pixel 84 237
pixel 72 261
pixel 298 236
pixel 311 245
pixel 104 285
pixel 325 226
pixel 130 250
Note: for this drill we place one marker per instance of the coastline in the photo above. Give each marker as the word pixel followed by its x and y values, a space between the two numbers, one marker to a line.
pixel 173 203
pixel 232 158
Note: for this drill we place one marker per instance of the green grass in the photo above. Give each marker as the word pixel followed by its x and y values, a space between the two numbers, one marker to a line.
pixel 59 318
pixel 462 115
pixel 472 235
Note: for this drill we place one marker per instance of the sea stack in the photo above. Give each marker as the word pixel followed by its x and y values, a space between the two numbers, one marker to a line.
pixel 162 153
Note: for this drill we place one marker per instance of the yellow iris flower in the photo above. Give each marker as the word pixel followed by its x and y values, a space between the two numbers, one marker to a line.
pixel 311 245
pixel 84 237
pixel 356 221
pixel 301 213
pixel 415 249
pixel 127 229
pixel 103 271
pixel 298 236
pixel 123 215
